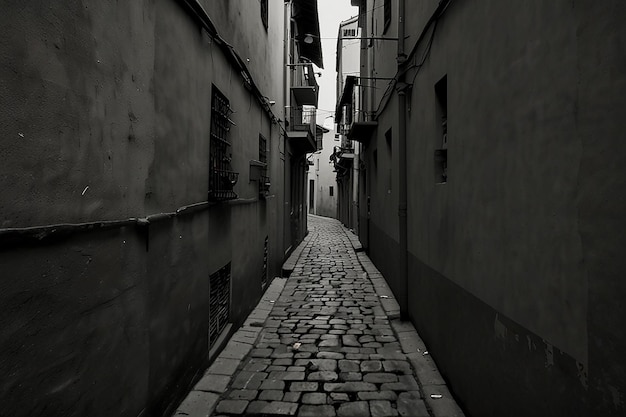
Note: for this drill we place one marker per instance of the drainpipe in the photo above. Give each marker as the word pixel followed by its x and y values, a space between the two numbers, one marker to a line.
pixel 402 168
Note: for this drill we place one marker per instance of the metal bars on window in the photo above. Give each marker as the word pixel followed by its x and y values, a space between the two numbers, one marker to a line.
pixel 264 181
pixel 219 302
pixel 221 177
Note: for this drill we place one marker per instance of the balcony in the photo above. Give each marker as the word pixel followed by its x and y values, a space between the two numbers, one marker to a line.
pixel 304 86
pixel 302 132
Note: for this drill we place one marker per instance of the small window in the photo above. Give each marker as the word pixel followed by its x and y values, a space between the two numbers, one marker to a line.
pixel 264 13
pixel 221 177
pixel 219 302
pixel 264 182
pixel 331 190
pixel 387 9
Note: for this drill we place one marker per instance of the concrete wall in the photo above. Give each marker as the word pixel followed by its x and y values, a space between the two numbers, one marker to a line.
pixel 513 263
pixel 105 116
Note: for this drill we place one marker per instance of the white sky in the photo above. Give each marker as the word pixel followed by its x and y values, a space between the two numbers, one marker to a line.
pixel 331 13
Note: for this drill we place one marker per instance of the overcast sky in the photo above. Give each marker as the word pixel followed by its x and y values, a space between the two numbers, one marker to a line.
pixel 331 12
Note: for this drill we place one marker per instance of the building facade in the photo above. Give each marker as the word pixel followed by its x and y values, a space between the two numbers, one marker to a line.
pixel 493 158
pixel 152 173
pixel 322 184
pixel 346 153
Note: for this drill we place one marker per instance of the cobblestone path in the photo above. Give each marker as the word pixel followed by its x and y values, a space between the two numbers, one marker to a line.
pixel 325 342
pixel 327 347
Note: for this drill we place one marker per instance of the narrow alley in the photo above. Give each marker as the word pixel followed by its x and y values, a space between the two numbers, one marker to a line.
pixel 331 344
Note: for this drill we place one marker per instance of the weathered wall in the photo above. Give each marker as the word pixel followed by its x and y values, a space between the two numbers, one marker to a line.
pixel 513 266
pixel 105 116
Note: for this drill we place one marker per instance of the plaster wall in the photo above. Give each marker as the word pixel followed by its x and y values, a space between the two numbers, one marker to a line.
pixel 105 116
pixel 514 258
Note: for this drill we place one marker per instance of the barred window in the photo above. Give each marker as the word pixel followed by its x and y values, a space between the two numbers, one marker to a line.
pixel 264 182
pixel 219 302
pixel 222 178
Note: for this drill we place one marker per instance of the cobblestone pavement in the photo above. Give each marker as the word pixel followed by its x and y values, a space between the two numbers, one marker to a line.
pixel 326 346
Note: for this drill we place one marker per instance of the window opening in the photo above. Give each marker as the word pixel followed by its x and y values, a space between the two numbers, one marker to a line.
pixel 219 302
pixel 264 182
pixel 331 190
pixel 221 177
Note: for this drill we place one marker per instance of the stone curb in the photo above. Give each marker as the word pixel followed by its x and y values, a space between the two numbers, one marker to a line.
pixel 438 398
pixel 292 261
pixel 203 398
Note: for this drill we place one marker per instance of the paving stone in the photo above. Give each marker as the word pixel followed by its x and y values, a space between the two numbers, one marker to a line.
pixel 350 340
pixel 354 409
pixel 287 376
pixel 303 386
pixel 280 408
pixel 236 350
pixel 213 383
pixel 371 366
pixel 231 406
pixel 325 376
pixel 399 367
pixel 349 366
pixel 349 387
pixel 261 353
pixel 380 408
pixel 380 377
pixel 351 376
pixel 378 395
pixel 198 404
pixel 329 343
pixel 243 394
pixel 315 398
pixel 410 404
pixel 338 397
pixel 271 395
pixel 330 355
pixel 317 411
pixel 293 397
pixel 248 380
pixel 318 364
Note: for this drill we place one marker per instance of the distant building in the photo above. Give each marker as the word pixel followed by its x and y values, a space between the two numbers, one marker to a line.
pixel 349 109
pixel 494 167
pixel 322 184
pixel 152 164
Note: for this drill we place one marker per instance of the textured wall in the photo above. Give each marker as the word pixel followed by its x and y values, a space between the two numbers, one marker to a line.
pixel 516 258
pixel 105 115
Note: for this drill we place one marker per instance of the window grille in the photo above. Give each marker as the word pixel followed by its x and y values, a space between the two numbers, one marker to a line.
pixel 219 302
pixel 264 181
pixel 221 177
